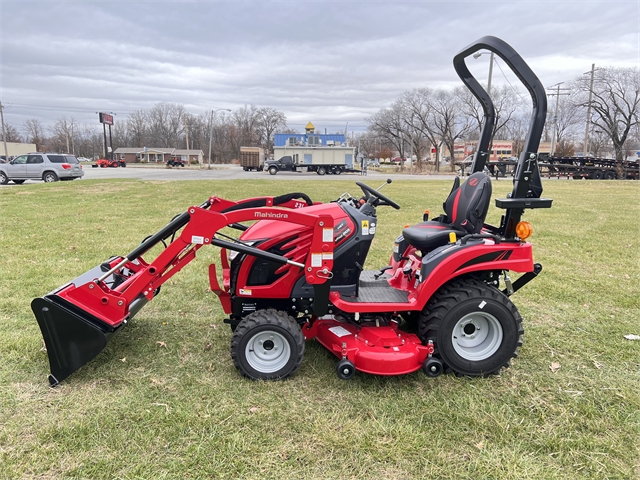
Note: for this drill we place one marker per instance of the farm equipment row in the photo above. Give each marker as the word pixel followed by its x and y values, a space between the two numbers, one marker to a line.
pixel 589 168
pixel 291 270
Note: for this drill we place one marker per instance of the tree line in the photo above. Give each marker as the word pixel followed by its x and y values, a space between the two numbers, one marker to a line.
pixel 167 125
pixel 424 119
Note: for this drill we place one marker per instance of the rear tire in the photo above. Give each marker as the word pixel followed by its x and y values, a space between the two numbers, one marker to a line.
pixel 49 177
pixel 321 171
pixel 267 345
pixel 596 175
pixel 609 175
pixel 475 328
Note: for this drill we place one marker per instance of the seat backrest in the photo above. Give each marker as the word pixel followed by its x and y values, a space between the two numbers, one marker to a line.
pixel 467 205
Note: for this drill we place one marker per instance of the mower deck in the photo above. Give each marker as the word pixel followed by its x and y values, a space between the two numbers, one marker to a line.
pixel 383 350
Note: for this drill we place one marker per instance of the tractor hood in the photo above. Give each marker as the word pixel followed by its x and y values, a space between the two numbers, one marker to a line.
pixel 276 228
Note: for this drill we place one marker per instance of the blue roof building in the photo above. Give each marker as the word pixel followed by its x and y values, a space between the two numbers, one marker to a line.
pixel 308 139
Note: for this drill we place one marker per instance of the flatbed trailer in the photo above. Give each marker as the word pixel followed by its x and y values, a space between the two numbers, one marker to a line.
pixel 588 168
pixel 501 168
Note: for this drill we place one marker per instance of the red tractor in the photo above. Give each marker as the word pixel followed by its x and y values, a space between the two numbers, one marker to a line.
pixel 109 163
pixel 442 304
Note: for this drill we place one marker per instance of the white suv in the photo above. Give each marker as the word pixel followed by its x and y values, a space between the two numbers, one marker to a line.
pixel 49 167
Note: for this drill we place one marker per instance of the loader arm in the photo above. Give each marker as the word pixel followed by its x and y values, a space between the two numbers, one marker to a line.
pixel 78 319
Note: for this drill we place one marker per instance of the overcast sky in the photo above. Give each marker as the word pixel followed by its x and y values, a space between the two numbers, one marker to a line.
pixel 328 62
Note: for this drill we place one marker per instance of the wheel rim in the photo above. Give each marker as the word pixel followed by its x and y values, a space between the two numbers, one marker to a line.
pixel 267 352
pixel 477 336
pixel 48 178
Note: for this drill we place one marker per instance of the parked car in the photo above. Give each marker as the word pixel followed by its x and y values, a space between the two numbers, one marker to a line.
pixel 48 167
pixel 84 159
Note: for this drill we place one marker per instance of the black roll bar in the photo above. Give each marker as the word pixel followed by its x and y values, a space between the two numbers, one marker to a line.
pixel 528 79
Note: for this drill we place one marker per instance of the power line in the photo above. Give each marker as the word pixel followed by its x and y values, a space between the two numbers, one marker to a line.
pixel 512 87
pixel 50 107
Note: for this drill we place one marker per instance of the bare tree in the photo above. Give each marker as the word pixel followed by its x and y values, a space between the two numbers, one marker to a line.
pixel 517 129
pixel 420 118
pixel 165 124
pixel 138 128
pixel 450 125
pixel 390 124
pixel 62 134
pixel 246 132
pixel 505 101
pixel 221 134
pixel 13 135
pixel 566 123
pixel 34 133
pixel 269 121
pixel 615 103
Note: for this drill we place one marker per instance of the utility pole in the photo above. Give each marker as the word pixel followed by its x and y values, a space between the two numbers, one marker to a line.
pixel 4 133
pixel 210 137
pixel 586 132
pixel 555 115
pixel 490 74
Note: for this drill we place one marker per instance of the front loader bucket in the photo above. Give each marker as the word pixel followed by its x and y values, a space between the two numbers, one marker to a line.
pixel 72 337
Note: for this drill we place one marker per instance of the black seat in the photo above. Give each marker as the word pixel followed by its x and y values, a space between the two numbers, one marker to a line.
pixel 465 211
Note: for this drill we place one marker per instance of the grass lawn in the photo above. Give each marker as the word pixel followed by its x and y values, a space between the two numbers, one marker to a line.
pixel 159 403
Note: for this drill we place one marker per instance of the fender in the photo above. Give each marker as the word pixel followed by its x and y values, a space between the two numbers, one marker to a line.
pixel 446 263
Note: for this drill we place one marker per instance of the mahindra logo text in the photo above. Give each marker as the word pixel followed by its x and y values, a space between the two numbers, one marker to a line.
pixel 270 215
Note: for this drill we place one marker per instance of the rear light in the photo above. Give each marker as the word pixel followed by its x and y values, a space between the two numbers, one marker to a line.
pixel 66 166
pixel 524 230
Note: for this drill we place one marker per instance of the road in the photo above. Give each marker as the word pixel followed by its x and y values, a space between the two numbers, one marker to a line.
pixel 231 172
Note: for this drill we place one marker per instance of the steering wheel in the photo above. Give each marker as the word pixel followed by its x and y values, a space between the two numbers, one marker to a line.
pixel 375 193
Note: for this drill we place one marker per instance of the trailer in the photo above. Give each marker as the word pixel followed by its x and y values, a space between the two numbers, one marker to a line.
pixel 252 158
pixel 496 169
pixel 589 168
pixel 321 160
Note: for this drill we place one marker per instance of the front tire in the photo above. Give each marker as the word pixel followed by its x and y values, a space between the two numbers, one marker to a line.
pixel 49 177
pixel 267 345
pixel 3 178
pixel 273 170
pixel 475 328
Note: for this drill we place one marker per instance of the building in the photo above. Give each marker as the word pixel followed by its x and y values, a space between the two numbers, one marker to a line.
pixel 15 149
pixel 309 138
pixel 500 150
pixel 158 155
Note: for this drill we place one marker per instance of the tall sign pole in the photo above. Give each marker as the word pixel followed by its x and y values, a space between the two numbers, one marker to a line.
pixel 107 119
